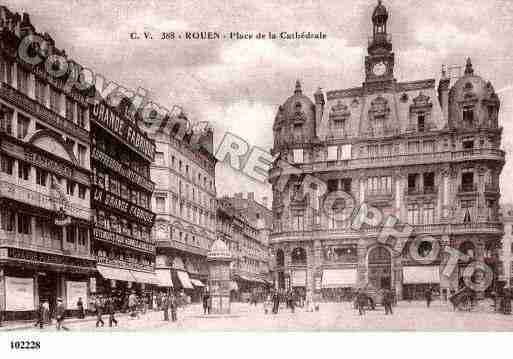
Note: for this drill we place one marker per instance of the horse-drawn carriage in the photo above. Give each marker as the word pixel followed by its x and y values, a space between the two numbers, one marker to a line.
pixel 463 299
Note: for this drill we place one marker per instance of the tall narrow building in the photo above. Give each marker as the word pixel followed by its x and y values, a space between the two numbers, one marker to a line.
pixel 44 180
pixel 428 156
pixel 121 155
pixel 185 204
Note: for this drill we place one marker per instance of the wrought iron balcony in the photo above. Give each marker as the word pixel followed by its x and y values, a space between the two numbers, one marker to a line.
pixel 467 188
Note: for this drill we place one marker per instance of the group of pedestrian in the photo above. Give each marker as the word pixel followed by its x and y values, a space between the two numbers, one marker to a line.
pixel 105 304
pixel 169 303
pixel 44 314
pixel 363 301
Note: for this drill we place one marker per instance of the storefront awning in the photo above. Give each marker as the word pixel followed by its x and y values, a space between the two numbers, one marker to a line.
pixel 197 282
pixel 116 273
pixel 184 279
pixel 339 278
pixel 164 277
pixel 145 277
pixel 421 274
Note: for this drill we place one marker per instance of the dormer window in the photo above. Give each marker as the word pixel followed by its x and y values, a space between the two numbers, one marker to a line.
pixel 468 117
pixel 421 122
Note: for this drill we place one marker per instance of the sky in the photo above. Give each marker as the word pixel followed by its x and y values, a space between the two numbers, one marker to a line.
pixel 238 85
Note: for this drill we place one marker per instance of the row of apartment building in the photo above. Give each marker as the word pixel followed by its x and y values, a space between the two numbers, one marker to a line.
pixel 86 209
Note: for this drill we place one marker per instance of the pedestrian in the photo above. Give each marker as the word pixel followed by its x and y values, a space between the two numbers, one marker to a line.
pixel 99 311
pixel 39 313
pixel 267 303
pixel 292 301
pixel 132 305
pixel 276 302
pixel 165 307
pixel 59 314
pixel 111 311
pixel 506 301
pixel 361 302
pixel 387 301
pixel 173 306
pixel 145 304
pixel 80 307
pixel 206 303
pixel 429 296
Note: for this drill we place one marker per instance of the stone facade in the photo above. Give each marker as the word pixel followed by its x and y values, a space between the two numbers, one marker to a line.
pixel 428 156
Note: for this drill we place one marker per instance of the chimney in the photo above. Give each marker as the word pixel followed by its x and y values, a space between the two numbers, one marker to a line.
pixel 251 196
pixel 443 95
pixel 26 27
pixel 319 108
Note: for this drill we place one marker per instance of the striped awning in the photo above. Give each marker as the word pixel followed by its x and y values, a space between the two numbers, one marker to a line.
pixel 197 282
pixel 184 279
pixel 164 277
pixel 116 273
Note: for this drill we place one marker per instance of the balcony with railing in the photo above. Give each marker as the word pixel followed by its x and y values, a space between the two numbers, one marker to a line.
pixel 491 228
pixel 492 188
pixel 466 188
pixel 72 206
pixel 415 191
pixel 46 244
pixel 41 112
pixel 378 196
pixel 399 160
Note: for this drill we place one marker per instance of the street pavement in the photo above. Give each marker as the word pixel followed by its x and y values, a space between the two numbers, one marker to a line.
pixel 412 316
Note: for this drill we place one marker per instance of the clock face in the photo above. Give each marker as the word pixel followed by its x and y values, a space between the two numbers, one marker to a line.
pixel 379 69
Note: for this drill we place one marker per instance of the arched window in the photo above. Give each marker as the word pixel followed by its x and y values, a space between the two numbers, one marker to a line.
pixel 280 258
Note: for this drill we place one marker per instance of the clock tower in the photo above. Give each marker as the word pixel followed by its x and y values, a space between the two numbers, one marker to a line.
pixel 379 63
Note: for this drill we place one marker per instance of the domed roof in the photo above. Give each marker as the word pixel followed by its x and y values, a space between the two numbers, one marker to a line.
pixel 471 86
pixel 298 109
pixel 219 251
pixel 379 11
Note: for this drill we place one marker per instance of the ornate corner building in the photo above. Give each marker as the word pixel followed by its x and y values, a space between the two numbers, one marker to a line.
pixel 430 156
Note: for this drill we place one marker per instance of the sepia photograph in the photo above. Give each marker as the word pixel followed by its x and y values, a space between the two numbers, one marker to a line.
pixel 262 167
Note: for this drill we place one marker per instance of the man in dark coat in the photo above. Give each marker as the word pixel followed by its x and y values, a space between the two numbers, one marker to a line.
pixel 165 307
pixel 40 315
pixel 206 303
pixel 361 302
pixel 80 307
pixel 388 299
pixel 111 311
pixel 429 296
pixel 173 306
pixel 59 314
pixel 99 312
pixel 276 302
pixel 292 301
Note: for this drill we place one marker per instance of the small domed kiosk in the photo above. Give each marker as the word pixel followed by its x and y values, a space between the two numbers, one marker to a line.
pixel 219 258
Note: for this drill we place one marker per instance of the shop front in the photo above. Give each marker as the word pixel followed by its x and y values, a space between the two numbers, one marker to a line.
pixel 119 283
pixel 338 284
pixel 28 278
pixel 418 279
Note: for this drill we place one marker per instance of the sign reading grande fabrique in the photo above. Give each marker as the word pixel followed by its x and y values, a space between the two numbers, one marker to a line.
pixel 124 129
